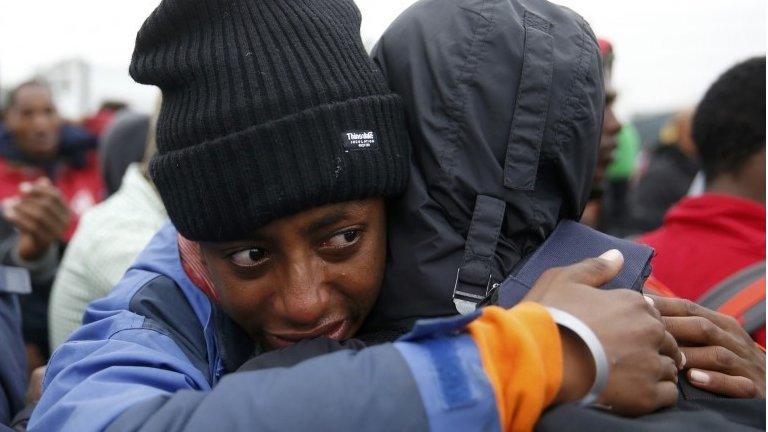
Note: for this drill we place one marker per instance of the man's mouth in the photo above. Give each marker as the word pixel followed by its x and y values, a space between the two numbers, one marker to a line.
pixel 336 330
pixel 43 141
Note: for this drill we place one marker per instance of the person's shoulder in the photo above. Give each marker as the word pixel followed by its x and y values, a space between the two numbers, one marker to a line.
pixel 101 224
pixel 654 239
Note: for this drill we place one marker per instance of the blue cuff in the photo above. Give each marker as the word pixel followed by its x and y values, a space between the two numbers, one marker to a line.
pixel 454 389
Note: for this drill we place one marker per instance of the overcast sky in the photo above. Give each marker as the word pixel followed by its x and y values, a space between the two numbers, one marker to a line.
pixel 668 51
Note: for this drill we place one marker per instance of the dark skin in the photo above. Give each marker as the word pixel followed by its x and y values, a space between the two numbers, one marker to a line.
pixel 748 182
pixel 608 144
pixel 318 273
pixel 39 212
pixel 40 215
pixel 644 357
pixel 608 141
pixel 34 122
pixel 721 356
pixel 314 274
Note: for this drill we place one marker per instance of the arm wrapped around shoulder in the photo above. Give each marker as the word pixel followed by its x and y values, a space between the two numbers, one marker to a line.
pixel 521 353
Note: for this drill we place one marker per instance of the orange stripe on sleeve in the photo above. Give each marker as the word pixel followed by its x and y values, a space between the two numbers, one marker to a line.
pixel 522 356
pixel 656 287
pixel 744 300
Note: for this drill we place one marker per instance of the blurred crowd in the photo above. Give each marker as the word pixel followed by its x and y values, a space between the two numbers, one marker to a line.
pixel 54 171
pixel 78 204
pixel 696 194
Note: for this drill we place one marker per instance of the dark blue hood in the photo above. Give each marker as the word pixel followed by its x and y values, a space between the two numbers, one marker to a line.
pixel 504 102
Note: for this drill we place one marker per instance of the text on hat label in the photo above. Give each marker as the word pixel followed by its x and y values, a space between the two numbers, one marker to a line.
pixel 358 140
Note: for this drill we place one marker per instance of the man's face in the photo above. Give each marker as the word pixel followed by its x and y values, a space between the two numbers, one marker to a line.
pixel 608 142
pixel 34 123
pixel 313 274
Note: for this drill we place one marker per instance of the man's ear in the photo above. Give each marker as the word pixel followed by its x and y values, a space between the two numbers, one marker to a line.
pixel 196 267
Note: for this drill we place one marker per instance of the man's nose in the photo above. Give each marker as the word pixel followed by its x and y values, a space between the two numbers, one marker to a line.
pixel 41 122
pixel 304 296
pixel 612 125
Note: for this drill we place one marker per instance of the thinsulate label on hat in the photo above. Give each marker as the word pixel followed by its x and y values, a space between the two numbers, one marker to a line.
pixel 358 140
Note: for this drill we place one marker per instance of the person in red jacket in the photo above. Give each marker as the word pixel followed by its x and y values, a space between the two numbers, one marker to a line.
pixel 49 176
pixel 708 239
pixel 36 143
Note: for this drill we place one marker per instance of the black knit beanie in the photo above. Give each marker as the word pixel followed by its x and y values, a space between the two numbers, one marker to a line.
pixel 270 107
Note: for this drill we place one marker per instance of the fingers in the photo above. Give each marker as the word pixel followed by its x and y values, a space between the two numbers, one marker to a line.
pixel 713 358
pixel 668 370
pixel 23 222
pixel 670 349
pixel 666 394
pixel 34 217
pixel 676 307
pixel 41 201
pixel 696 330
pixel 651 308
pixel 682 307
pixel 45 194
pixel 720 383
pixel 596 272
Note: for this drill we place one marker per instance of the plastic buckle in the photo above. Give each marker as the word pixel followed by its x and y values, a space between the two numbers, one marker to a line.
pixel 469 301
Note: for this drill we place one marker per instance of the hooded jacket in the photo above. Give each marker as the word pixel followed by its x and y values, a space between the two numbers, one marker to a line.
pixel 504 104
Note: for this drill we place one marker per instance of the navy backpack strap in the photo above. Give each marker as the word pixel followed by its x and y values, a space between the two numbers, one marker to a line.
pixel 570 243
pixel 474 278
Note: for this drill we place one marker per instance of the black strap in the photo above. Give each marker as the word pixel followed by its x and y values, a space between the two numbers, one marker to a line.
pixel 531 105
pixel 474 276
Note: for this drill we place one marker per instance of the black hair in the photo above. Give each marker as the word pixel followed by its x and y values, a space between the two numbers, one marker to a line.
pixel 729 124
pixel 10 99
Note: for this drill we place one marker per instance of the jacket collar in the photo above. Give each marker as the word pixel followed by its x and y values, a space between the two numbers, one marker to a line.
pixel 162 256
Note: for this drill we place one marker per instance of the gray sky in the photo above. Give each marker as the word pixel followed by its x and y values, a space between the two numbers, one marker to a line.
pixel 668 51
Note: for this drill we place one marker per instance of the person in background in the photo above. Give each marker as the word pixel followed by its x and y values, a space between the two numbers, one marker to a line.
pixel 123 143
pixel 98 123
pixel 608 141
pixel 49 176
pixel 670 170
pixel 706 239
pixel 118 228
pixel 613 219
pixel 35 143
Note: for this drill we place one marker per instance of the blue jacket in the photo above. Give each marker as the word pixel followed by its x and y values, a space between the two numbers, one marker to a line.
pixel 13 363
pixel 154 355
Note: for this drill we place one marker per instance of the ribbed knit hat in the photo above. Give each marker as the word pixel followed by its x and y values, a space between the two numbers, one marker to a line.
pixel 270 107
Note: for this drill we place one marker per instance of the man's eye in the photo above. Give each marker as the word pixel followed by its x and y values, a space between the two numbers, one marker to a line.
pixel 249 257
pixel 343 239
